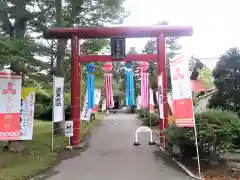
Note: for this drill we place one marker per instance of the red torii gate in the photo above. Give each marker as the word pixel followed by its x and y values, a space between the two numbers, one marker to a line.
pixel 160 32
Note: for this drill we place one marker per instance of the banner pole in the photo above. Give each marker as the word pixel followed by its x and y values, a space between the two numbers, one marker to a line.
pixel 69 141
pixel 196 144
pixel 53 115
pixel 52 136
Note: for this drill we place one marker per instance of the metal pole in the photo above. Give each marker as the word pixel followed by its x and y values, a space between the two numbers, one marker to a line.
pixel 149 105
pixel 196 143
pixel 53 109
pixel 76 91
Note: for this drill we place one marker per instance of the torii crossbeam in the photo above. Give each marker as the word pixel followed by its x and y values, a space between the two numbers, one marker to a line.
pixel 75 34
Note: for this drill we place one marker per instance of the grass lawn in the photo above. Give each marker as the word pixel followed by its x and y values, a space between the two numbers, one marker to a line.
pixel 38 155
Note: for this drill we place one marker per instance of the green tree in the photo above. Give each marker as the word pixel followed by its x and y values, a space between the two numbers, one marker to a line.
pixel 19 19
pixel 172 49
pixel 227 81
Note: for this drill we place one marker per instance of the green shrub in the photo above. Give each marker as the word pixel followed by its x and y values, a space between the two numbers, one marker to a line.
pixel 146 117
pixel 216 130
pixel 43 104
pixel 38 111
pixel 142 112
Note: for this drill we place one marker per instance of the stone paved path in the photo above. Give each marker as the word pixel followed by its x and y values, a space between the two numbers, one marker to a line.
pixel 112 156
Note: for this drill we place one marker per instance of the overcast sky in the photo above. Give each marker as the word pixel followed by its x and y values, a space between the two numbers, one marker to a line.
pixel 211 19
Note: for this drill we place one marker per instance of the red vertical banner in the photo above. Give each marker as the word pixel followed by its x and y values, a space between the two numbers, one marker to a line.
pixel 181 92
pixel 10 99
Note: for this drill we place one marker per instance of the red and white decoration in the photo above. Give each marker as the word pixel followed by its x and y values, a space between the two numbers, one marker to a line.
pixel 10 105
pixel 181 92
pixel 108 85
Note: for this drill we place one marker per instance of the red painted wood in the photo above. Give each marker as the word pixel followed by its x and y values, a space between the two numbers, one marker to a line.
pixel 106 32
pixel 108 58
pixel 76 92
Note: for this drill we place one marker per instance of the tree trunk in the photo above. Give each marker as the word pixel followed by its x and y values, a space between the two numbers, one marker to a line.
pixel 59 71
pixel 17 31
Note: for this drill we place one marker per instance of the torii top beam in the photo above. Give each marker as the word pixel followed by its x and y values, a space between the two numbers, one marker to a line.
pixel 128 32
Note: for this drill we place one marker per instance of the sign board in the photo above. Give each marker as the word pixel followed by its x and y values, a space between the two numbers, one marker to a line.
pixel 160 97
pixel 10 105
pixel 27 113
pixel 118 48
pixel 58 99
pixel 68 128
pixel 181 91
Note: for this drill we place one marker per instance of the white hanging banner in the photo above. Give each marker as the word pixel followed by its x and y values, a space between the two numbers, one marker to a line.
pixel 86 113
pixel 68 128
pixel 104 105
pixel 160 97
pixel 97 97
pixel 27 113
pixel 151 102
pixel 10 105
pixel 138 100
pixel 58 99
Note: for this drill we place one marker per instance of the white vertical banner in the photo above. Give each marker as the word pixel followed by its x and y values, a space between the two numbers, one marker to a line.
pixel 181 87
pixel 27 113
pixel 58 99
pixel 151 102
pixel 160 97
pixel 97 94
pixel 104 105
pixel 138 100
pixel 86 112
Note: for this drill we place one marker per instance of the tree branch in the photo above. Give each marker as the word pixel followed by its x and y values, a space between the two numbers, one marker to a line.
pixel 6 24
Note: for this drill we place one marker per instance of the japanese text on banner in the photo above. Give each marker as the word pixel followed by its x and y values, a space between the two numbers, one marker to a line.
pixel 160 97
pixel 27 113
pixel 58 99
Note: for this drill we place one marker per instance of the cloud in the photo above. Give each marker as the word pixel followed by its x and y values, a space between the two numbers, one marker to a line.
pixel 216 24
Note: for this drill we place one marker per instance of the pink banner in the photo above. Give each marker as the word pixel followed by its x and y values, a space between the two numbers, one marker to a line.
pixel 144 90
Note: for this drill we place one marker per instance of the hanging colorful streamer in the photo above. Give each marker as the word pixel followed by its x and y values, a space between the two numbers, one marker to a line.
pixel 108 85
pixel 144 85
pixel 130 94
pixel 90 85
